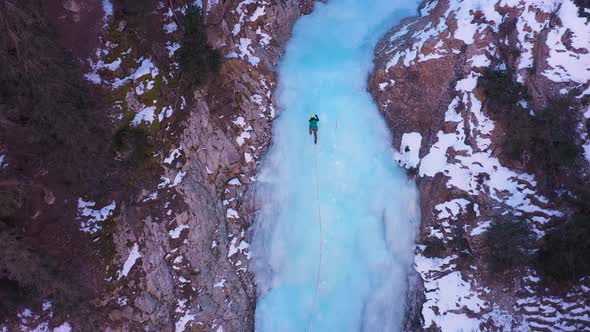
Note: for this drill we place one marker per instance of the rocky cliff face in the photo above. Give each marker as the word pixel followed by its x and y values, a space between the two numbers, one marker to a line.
pixel 175 255
pixel 194 251
pixel 452 130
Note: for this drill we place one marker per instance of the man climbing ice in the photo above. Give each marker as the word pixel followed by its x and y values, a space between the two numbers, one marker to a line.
pixel 313 127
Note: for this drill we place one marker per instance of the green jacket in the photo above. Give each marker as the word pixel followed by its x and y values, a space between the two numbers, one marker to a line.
pixel 313 122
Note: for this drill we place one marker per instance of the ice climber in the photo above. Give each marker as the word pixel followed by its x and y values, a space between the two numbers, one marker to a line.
pixel 313 127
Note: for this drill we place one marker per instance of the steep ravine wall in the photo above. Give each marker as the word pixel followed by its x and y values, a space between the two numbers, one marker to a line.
pixel 427 82
pixel 195 265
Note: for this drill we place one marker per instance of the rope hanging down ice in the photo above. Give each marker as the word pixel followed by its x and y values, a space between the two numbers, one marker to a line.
pixel 317 284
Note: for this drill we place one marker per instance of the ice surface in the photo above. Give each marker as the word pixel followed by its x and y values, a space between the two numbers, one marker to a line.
pixel 368 208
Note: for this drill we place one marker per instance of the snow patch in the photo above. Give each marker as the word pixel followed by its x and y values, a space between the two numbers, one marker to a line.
pixel 220 284
pixel 178 178
pixel 175 233
pixel 566 64
pixel 452 208
pixel 107 7
pixel 245 51
pixel 235 182
pixel 183 321
pixel 173 155
pixel 93 217
pixel 232 214
pixel 147 114
pixel 170 27
pixel 3 163
pixel 481 228
pixel 172 47
pixel 408 155
pixel 65 327
pixel 134 255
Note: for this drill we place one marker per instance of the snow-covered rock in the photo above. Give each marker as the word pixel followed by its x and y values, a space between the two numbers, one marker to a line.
pixel 426 82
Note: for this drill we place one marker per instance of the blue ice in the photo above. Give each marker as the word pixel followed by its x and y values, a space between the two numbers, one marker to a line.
pixel 367 206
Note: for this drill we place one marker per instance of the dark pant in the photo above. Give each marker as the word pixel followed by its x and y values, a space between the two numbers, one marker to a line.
pixel 315 134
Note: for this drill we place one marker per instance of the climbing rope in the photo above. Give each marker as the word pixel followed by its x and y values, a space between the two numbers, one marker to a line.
pixel 317 283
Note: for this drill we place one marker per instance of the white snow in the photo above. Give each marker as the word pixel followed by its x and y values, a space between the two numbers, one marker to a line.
pixel 90 224
pixel 93 77
pixel 235 182
pixel 151 197
pixel 245 51
pixel 175 233
pixel 65 327
pixel 165 113
pixel 183 321
pixel 220 284
pixel 232 214
pixel 170 27
pixel 248 157
pixel 480 60
pixel 144 86
pixel 481 228
pixel 134 255
pixel 46 305
pixel 586 148
pixel 432 56
pixel 26 313
pixel 473 169
pixel 464 14
pixel 172 47
pixel 165 181
pixel 427 8
pixel 566 64
pixel 408 155
pixel 3 163
pixel 257 13
pixel 122 301
pixel 467 84
pixel 462 151
pixel 178 178
pixel 242 247
pixel 265 38
pixel 446 293
pixel 173 155
pixel 452 208
pixel 210 5
pixel 147 114
pixel 107 7
pixel 239 121
pixel 146 67
pixel 113 65
pixel 240 10
pixel 241 139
